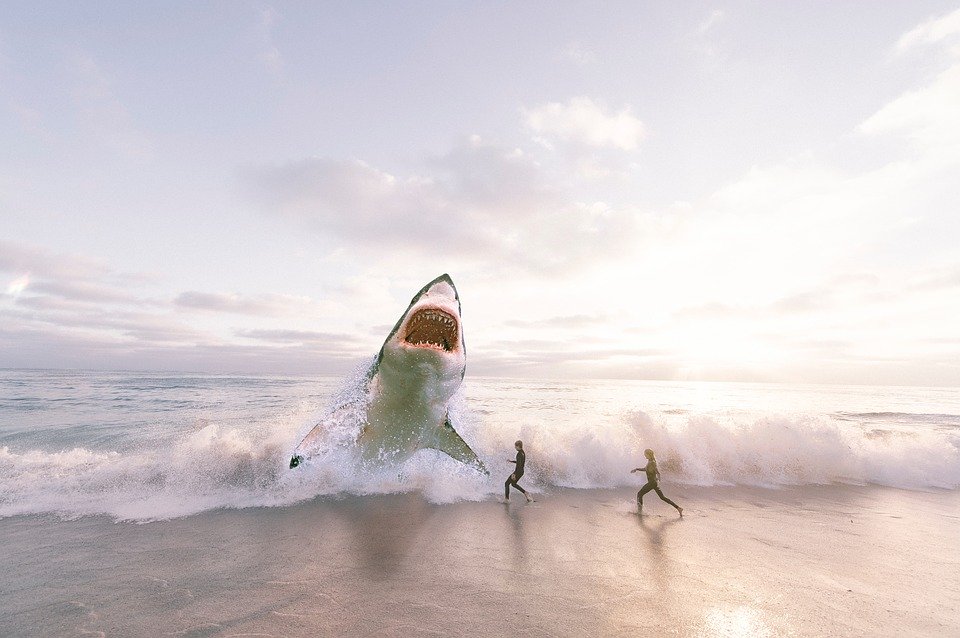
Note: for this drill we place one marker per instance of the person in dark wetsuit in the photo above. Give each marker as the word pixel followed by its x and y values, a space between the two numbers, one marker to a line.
pixel 514 478
pixel 653 480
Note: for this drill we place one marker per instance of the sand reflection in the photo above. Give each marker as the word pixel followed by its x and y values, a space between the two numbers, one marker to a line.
pixel 384 529
pixel 658 542
pixel 519 544
pixel 735 622
pixel 660 558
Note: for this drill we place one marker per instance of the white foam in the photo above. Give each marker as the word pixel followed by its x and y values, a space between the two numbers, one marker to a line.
pixel 233 466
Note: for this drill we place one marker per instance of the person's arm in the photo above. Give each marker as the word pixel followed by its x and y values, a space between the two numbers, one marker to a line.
pixel 639 469
pixel 511 461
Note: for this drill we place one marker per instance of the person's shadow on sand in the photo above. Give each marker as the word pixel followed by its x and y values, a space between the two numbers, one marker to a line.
pixel 655 529
pixel 657 533
pixel 519 544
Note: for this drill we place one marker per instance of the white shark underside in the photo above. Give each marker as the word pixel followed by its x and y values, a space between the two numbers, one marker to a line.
pixel 409 386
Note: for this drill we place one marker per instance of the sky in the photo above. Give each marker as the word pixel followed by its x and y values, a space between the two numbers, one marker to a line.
pixel 738 191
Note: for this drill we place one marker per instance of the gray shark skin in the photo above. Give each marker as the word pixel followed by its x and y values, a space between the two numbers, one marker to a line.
pixel 410 384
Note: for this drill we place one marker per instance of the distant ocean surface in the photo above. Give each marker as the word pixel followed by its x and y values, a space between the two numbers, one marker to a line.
pixel 153 446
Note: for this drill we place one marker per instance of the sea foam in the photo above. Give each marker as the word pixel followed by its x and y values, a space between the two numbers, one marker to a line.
pixel 237 465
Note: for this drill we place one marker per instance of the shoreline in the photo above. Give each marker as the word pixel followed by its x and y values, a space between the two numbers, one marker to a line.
pixel 812 560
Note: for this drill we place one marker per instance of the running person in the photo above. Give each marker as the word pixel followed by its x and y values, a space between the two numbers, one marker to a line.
pixel 514 478
pixel 653 480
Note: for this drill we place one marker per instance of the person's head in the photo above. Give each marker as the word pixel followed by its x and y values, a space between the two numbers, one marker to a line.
pixel 648 453
pixel 518 445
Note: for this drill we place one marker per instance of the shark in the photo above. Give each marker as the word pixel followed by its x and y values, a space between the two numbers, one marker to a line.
pixel 409 386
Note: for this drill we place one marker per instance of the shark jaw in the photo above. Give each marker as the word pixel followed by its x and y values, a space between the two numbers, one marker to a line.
pixel 432 327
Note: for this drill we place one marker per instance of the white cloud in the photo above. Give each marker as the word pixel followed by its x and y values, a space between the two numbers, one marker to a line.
pixel 269 54
pixel 18 285
pixel 579 53
pixel 933 31
pixel 16 257
pixel 77 312
pixel 480 203
pixel 710 21
pixel 264 305
pixel 926 116
pixel 583 121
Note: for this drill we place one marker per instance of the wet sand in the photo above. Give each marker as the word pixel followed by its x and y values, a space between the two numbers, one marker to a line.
pixel 811 561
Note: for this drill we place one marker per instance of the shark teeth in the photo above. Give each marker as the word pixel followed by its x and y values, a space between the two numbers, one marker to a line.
pixel 432 328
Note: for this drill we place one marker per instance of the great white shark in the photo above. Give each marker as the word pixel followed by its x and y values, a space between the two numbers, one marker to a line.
pixel 410 384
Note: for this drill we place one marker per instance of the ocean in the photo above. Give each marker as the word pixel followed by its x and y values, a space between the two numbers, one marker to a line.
pixel 138 446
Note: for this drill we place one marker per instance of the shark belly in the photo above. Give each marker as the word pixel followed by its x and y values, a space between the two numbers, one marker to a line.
pixel 407 409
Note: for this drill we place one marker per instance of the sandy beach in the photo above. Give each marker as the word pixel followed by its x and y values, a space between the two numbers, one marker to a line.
pixel 811 561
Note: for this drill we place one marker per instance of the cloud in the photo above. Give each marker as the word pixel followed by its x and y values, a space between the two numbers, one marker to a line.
pixel 807 301
pixel 585 122
pixel 47 348
pixel 84 291
pixel 299 337
pixel 81 322
pixel 269 54
pixel 48 281
pixel 927 116
pixel 710 21
pixel 496 180
pixel 18 285
pixel 545 359
pixel 25 258
pixel 481 203
pixel 566 322
pixel 938 280
pixel 112 324
pixel 932 31
pixel 261 305
pixel 579 53
pixel 352 199
pixel 73 311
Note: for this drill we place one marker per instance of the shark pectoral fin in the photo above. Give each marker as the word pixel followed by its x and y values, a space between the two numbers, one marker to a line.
pixel 448 441
pixel 314 439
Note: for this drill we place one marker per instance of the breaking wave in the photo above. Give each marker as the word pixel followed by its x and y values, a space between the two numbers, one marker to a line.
pixel 229 465
pixel 767 451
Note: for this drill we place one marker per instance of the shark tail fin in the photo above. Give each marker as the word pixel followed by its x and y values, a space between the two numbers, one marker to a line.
pixel 448 441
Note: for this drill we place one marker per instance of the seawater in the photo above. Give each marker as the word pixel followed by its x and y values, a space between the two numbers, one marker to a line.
pixel 151 446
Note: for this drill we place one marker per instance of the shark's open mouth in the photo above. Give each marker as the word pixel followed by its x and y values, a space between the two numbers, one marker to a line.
pixel 432 328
